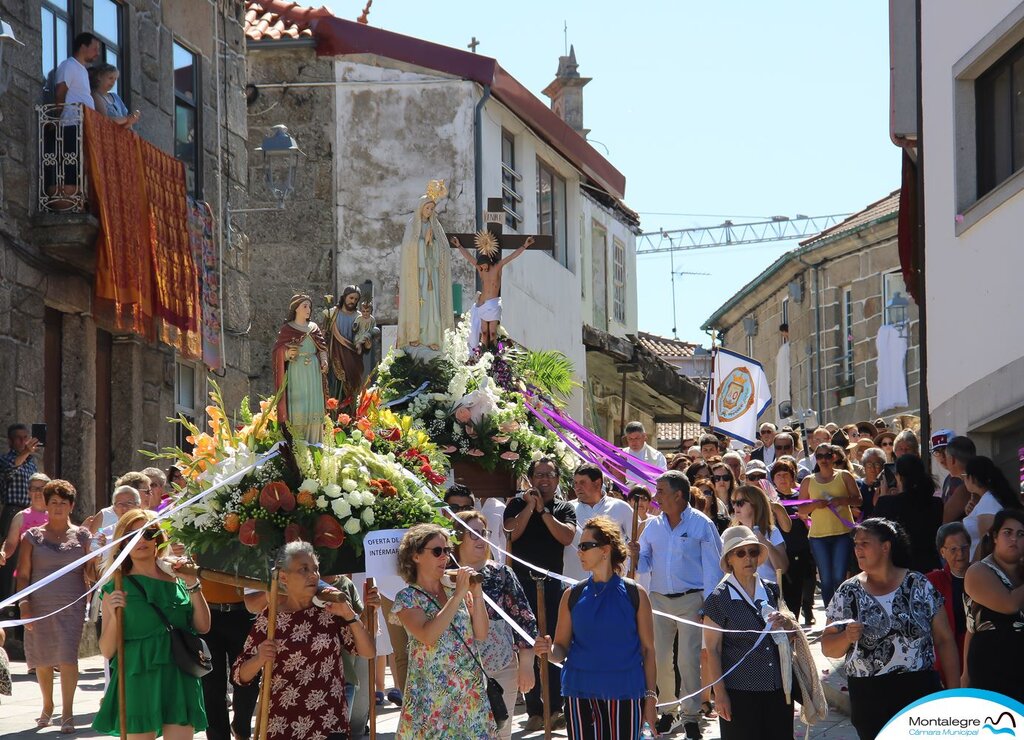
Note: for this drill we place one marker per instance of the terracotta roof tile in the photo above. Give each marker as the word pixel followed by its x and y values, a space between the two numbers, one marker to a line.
pixel 888 205
pixel 278 19
pixel 663 346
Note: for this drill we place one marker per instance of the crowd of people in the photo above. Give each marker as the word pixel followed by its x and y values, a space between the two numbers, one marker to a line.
pixel 922 585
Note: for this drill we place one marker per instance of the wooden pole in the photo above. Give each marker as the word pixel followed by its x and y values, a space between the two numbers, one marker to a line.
pixel 122 704
pixel 370 622
pixel 268 669
pixel 632 539
pixel 542 629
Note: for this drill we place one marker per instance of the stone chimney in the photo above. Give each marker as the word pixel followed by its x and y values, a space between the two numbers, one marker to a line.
pixel 566 93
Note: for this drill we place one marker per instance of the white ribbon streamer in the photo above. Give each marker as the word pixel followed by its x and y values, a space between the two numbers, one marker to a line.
pixel 134 536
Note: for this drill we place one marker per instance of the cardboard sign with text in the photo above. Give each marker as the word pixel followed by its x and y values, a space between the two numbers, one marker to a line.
pixel 381 550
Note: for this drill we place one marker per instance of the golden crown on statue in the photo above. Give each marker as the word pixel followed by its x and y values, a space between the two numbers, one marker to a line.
pixel 436 189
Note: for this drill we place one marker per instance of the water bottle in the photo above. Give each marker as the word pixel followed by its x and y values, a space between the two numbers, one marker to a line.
pixel 647 732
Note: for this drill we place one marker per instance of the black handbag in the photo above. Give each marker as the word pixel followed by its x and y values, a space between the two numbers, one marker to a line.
pixel 495 694
pixel 191 653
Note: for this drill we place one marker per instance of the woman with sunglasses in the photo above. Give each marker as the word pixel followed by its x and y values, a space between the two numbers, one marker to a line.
pixel 506 656
pixel 445 689
pixel 995 611
pixel 898 626
pixel 799 580
pixel 605 641
pixel 834 491
pixel 160 697
pixel 751 508
pixel 750 700
pixel 724 482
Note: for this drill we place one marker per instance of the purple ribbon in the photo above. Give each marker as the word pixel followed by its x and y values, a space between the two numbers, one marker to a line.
pixel 642 470
pixel 580 449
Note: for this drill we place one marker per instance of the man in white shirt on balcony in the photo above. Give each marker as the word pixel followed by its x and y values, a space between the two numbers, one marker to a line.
pixel 636 440
pixel 73 78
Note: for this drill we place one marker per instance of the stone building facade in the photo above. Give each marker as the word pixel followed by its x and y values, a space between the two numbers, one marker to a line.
pixel 832 292
pixel 105 395
pixel 378 115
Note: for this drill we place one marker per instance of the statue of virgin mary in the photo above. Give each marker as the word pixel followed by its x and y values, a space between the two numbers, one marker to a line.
pixel 425 281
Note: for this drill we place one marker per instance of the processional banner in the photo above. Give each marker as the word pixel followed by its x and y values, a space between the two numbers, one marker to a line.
pixel 737 395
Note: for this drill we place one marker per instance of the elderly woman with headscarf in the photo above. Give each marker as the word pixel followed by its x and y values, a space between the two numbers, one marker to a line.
pixel 425 278
pixel 307 697
pixel 750 698
pixel 300 364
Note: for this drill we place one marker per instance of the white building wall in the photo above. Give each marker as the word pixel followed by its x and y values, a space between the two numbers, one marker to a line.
pixel 541 305
pixel 973 277
pixel 595 217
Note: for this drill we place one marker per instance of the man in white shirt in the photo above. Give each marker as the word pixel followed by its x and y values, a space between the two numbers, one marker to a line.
pixel 73 78
pixel 636 439
pixel 681 550
pixel 591 501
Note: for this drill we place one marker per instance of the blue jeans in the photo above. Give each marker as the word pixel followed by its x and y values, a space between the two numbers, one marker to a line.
pixel 832 555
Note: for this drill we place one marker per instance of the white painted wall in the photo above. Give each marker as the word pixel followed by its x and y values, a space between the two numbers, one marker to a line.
pixel 595 216
pixel 540 298
pixel 973 279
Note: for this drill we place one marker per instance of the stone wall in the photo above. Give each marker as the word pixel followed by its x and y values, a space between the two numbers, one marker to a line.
pixel 861 268
pixel 142 388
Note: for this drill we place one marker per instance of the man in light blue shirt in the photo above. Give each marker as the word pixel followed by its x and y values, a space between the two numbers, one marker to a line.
pixel 681 550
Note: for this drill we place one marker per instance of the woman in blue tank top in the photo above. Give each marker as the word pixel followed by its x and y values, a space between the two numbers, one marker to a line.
pixel 605 641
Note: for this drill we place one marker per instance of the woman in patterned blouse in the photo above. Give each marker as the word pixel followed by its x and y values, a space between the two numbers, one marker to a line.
pixel 892 625
pixel 506 656
pixel 307 697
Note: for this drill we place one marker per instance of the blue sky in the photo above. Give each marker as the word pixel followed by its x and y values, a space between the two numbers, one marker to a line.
pixel 739 109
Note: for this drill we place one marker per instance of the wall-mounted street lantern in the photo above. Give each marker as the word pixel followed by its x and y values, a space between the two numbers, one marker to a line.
pixel 896 312
pixel 6 36
pixel 280 158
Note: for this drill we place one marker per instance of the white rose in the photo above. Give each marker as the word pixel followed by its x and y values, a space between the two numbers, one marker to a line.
pixel 309 485
pixel 341 509
pixel 368 517
pixel 513 445
pixel 439 414
pixel 356 435
pixel 349 485
pixel 352 526
pixel 333 490
pixel 321 502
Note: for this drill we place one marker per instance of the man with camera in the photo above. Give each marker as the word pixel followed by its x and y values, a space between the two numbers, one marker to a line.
pixel 539 525
pixel 16 467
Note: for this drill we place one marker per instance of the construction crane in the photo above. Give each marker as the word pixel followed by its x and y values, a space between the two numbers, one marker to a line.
pixel 729 234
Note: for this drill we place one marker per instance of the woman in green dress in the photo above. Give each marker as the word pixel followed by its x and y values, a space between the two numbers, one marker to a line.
pixel 300 362
pixel 159 697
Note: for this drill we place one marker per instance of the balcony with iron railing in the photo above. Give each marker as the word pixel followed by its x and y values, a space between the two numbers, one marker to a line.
pixel 63 227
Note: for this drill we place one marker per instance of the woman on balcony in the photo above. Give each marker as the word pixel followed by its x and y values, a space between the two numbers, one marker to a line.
pixel 102 79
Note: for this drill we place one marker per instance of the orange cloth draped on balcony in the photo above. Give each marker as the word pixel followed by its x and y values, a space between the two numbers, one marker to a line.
pixel 146 281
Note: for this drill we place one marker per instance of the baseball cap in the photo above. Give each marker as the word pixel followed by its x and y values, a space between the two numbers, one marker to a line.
pixel 756 466
pixel 941 438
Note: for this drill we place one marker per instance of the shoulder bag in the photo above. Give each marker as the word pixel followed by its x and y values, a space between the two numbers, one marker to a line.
pixel 191 653
pixel 495 694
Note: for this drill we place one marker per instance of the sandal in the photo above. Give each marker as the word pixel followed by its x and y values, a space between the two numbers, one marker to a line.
pixel 67 725
pixel 395 697
pixel 708 710
pixel 379 698
pixel 44 719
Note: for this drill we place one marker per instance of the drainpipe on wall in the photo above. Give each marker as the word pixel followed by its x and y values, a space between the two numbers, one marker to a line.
pixel 817 336
pixel 922 283
pixel 478 166
pixel 478 152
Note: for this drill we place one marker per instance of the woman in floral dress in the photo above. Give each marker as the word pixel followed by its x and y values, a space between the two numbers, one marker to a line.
pixel 506 656
pixel 446 691
pixel 307 698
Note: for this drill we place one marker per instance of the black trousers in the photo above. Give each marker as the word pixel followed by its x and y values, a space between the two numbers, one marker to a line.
pixel 758 715
pixel 876 700
pixel 226 638
pixel 798 584
pixel 552 597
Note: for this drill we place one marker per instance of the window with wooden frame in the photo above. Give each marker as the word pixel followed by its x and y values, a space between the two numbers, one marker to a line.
pixel 551 210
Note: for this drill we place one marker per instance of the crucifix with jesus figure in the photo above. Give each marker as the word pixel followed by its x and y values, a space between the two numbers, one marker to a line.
pixel 489 243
